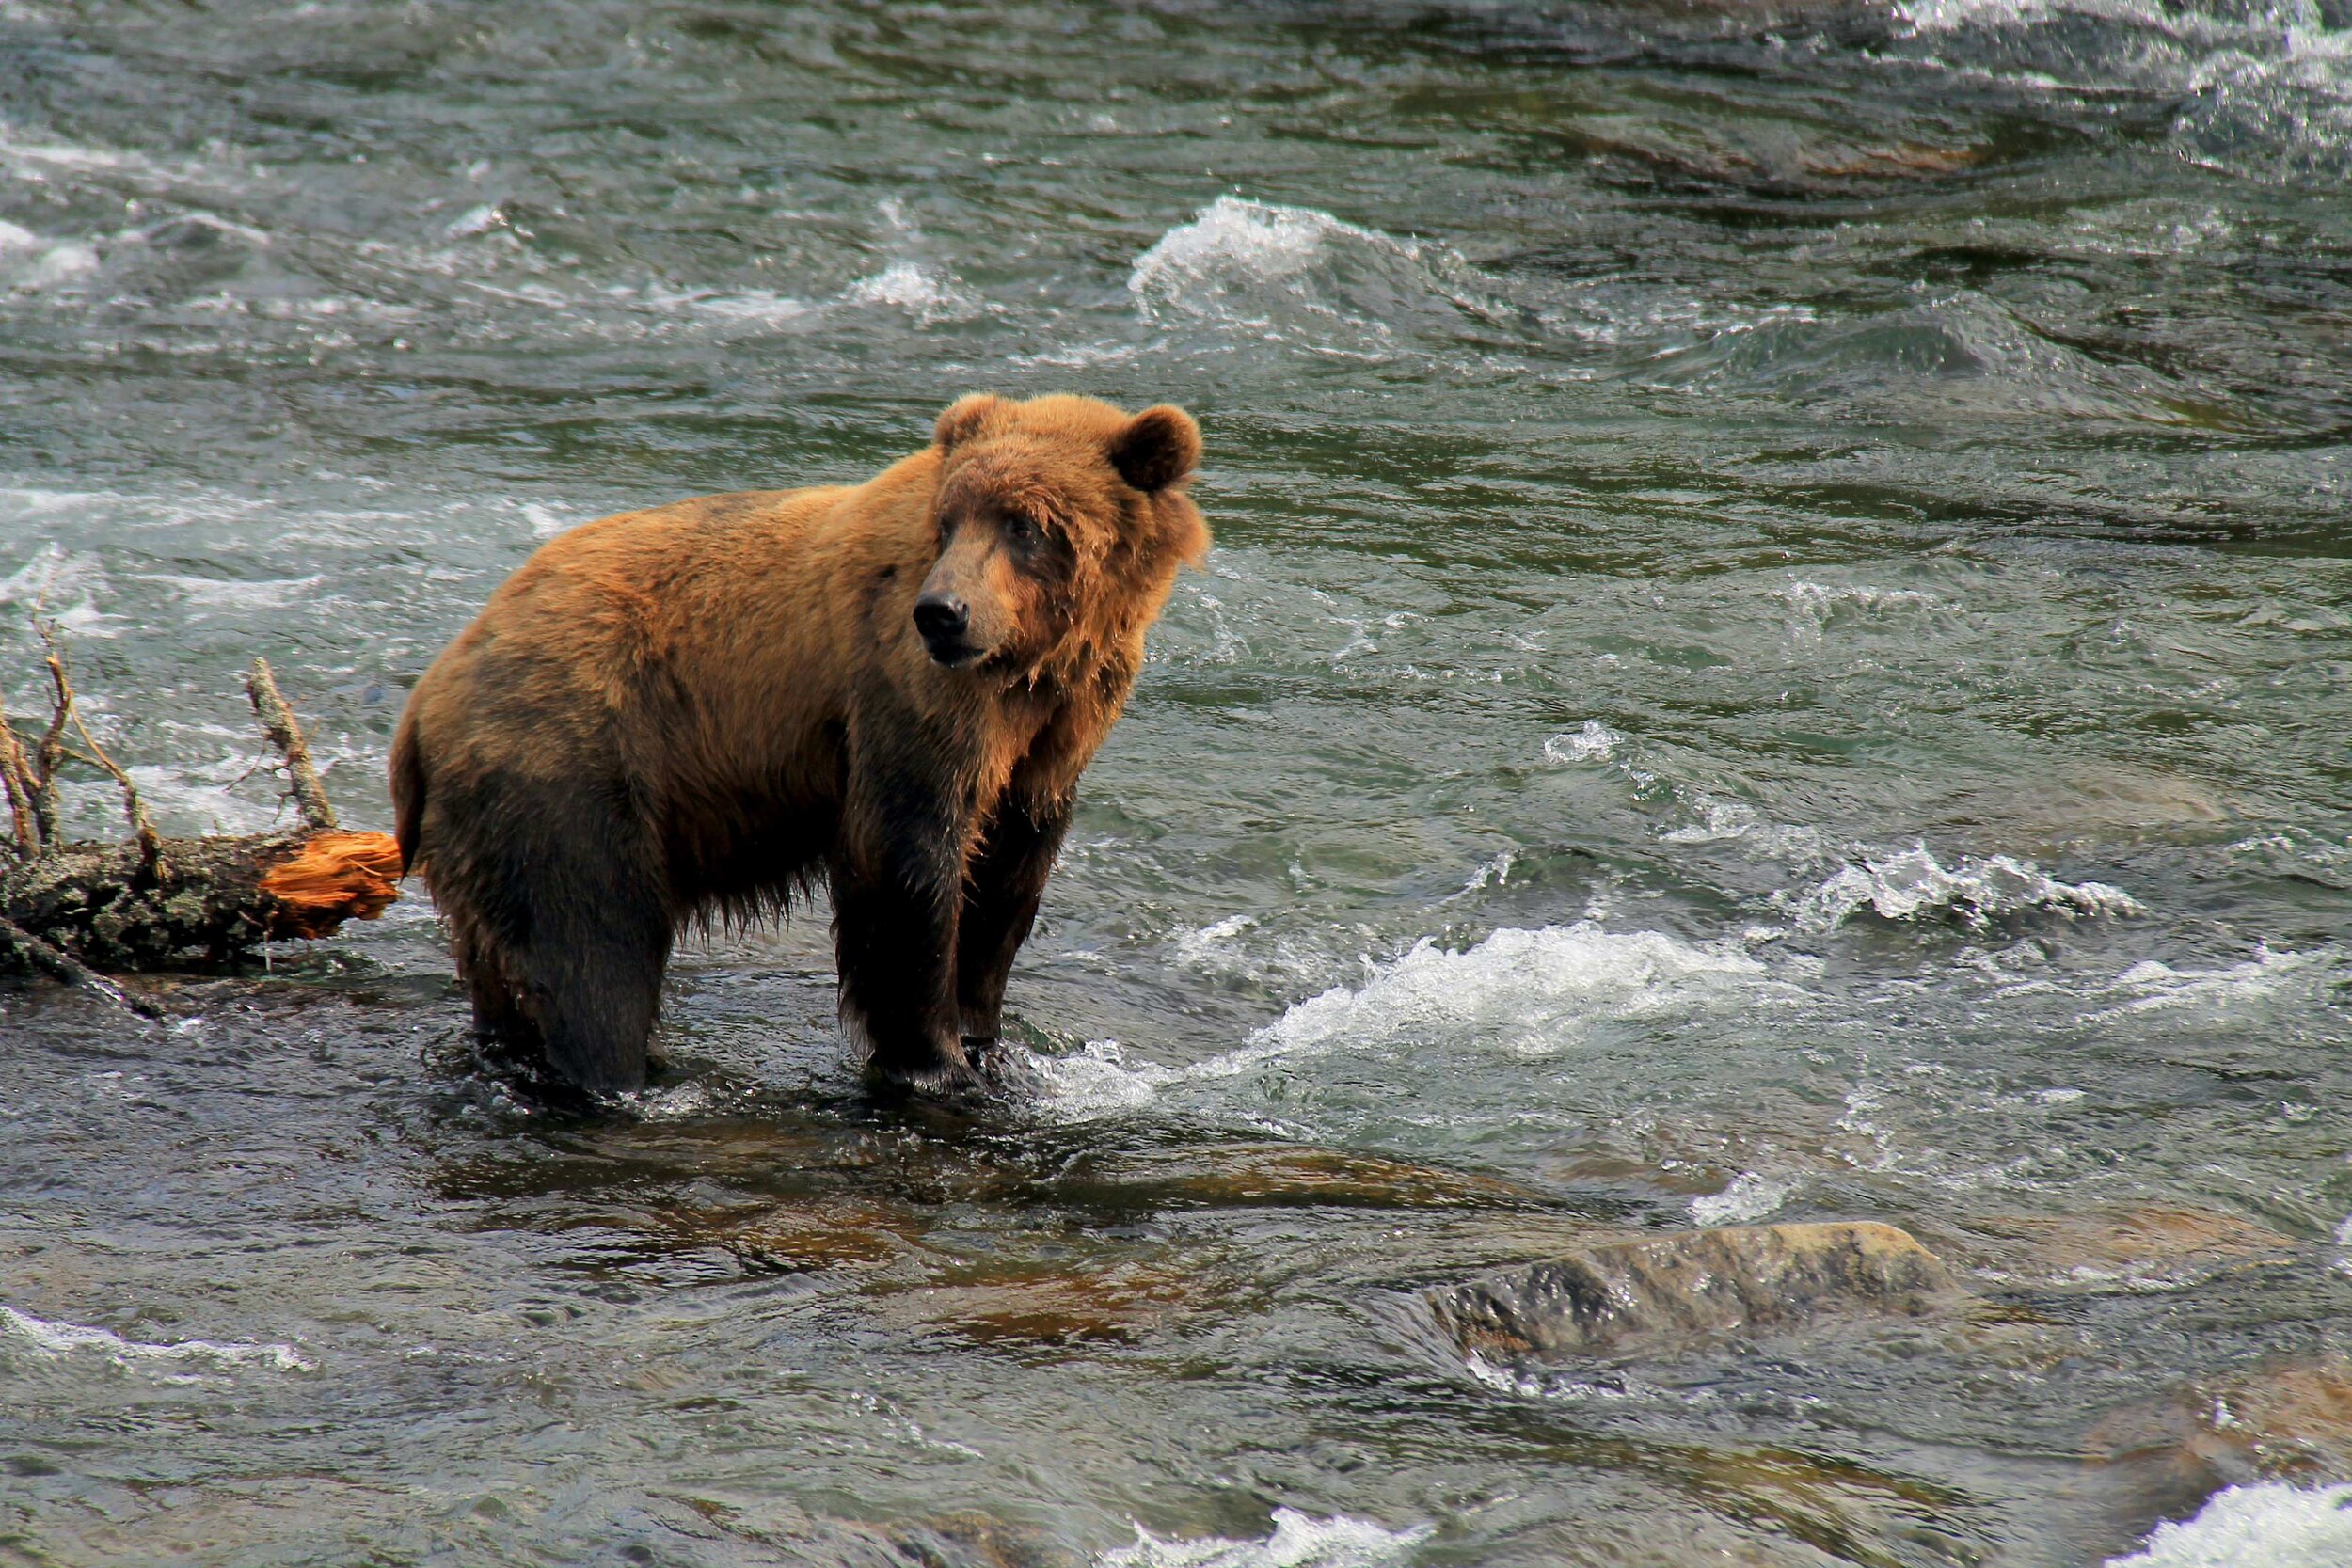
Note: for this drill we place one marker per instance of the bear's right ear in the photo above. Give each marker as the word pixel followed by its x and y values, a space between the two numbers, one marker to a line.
pixel 961 420
pixel 1158 447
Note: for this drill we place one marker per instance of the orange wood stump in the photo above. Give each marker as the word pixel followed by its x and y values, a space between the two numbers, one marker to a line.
pixel 333 877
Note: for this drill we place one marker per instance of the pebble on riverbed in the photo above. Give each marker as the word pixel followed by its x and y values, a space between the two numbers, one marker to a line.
pixel 1695 1283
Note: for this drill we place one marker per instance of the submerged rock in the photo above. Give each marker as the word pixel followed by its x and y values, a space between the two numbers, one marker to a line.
pixel 2290 1422
pixel 1695 1283
pixel 1257 1175
pixel 2070 805
pixel 970 1539
pixel 1111 1298
pixel 2164 1458
pixel 2146 1248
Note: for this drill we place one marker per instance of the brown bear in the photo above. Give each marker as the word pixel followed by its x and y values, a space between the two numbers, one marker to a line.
pixel 696 712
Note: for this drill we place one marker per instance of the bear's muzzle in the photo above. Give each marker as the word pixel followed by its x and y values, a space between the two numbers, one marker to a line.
pixel 946 624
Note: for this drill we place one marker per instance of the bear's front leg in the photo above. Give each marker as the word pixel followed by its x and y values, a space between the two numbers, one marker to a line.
pixel 1000 900
pixel 897 876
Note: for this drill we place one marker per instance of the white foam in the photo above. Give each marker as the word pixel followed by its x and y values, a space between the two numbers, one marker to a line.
pixel 476 220
pixel 231 592
pixel 185 223
pixel 59 1339
pixel 1299 1541
pixel 41 162
pixel 1095 1082
pixel 1750 1198
pixel 547 520
pixel 763 305
pixel 2152 984
pixel 29 159
pixel 1232 237
pixel 1240 948
pixel 25 498
pixel 28 261
pixel 1528 992
pixel 1914 883
pixel 2268 1525
pixel 1594 742
pixel 754 306
pixel 62 587
pixel 1816 604
pixel 1302 276
pixel 180 795
pixel 49 572
pixel 1495 872
pixel 1946 16
pixel 1194 946
pixel 911 287
pixel 1714 818
pixel 1523 990
pixel 1822 596
pixel 685 1101
pixel 1081 357
pixel 1720 820
pixel 2262 90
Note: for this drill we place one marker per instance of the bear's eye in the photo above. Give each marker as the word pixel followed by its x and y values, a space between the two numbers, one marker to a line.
pixel 1023 531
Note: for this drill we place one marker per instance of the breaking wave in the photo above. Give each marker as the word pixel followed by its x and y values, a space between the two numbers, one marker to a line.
pixel 1527 992
pixel 61 1339
pixel 1523 990
pixel 910 286
pixel 1914 884
pixel 1906 884
pixel 2268 1525
pixel 1956 353
pixel 1750 1197
pixel 29 264
pixel 2262 90
pixel 1299 1540
pixel 2152 986
pixel 1298 275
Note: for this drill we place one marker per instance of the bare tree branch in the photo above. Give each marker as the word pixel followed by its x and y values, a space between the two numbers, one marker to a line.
pixel 278 723
pixel 151 842
pixel 16 779
pixel 47 754
pixel 72 970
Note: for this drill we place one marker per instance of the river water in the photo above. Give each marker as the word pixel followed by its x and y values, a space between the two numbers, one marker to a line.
pixel 1777 649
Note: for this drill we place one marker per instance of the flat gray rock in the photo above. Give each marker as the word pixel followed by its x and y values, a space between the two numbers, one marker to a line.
pixel 1696 1284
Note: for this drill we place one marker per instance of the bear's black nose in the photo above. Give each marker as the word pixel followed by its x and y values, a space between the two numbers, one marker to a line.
pixel 942 619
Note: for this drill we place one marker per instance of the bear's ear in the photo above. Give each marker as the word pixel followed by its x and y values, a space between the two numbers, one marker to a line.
pixel 961 420
pixel 1157 448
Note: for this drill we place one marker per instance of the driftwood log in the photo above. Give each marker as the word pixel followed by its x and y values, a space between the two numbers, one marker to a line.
pixel 71 911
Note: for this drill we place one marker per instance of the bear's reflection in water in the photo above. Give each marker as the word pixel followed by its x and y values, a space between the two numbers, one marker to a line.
pixel 1018 1238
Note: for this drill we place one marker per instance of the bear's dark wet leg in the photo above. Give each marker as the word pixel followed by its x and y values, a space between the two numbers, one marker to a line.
pixel 1001 893
pixel 498 1013
pixel 896 874
pixel 565 931
pixel 591 979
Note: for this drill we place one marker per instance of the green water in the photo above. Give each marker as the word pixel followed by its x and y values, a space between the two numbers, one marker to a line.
pixel 1777 649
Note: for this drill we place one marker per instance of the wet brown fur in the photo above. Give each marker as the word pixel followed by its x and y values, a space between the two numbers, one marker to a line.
pixel 702 711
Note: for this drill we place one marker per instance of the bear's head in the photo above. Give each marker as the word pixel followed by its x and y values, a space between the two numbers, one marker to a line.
pixel 1061 521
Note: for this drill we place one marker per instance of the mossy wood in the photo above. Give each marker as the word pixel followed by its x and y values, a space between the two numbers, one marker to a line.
pixel 70 909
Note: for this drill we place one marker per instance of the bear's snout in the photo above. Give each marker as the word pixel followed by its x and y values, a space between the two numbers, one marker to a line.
pixel 946 624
